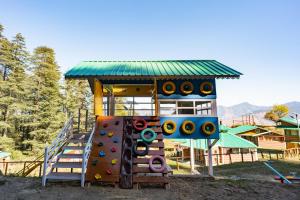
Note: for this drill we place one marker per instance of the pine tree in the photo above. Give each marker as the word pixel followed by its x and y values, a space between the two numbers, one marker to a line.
pixel 47 110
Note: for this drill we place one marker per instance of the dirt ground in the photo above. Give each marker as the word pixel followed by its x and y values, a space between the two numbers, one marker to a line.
pixel 181 188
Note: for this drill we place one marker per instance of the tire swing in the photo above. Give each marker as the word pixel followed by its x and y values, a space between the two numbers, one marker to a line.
pixel 169 87
pixel 148 131
pixel 188 127
pixel 139 124
pixel 169 127
pixel 140 152
pixel 208 128
pixel 206 88
pixel 152 166
pixel 186 87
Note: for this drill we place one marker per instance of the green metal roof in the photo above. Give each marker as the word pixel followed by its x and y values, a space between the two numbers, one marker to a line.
pixel 289 120
pixel 242 129
pixel 152 69
pixel 226 140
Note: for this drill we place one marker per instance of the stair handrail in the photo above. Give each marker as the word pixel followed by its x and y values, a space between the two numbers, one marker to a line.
pixel 52 150
pixel 86 155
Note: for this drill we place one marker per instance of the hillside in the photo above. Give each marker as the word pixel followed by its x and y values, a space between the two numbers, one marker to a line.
pixel 235 112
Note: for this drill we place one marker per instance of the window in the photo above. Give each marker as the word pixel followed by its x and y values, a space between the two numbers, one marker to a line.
pixel 187 107
pixel 134 106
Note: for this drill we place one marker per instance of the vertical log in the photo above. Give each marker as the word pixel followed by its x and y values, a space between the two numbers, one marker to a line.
pixel 78 122
pixel 251 156
pixel 86 119
pixel 242 155
pixel 23 173
pixel 270 155
pixel 6 166
pixel 230 161
pixel 40 170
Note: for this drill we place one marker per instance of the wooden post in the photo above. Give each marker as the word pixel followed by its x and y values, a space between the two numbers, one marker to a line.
pixel 242 155
pixel 277 155
pixel 270 155
pixel 98 98
pixel 217 159
pixel 210 163
pixel 252 156
pixel 6 166
pixel 40 170
pixel 86 119
pixel 155 98
pixel 78 122
pixel 23 173
pixel 230 161
pixel 262 155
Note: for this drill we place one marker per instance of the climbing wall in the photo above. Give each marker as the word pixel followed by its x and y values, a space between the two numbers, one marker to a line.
pixel 142 174
pixel 105 157
pixel 126 163
pixel 117 155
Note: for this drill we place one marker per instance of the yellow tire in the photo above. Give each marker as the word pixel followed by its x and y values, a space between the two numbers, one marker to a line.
pixel 208 128
pixel 186 87
pixel 169 87
pixel 188 127
pixel 206 88
pixel 169 127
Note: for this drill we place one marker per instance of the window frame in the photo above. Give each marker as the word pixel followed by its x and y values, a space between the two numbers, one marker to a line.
pixel 213 107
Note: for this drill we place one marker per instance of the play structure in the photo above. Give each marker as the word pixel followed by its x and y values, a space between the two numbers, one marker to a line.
pixel 137 104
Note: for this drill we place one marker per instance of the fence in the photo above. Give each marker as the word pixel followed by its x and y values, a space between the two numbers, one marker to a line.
pixel 12 167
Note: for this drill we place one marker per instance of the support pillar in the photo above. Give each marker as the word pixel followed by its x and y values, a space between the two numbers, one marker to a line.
pixel 98 98
pixel 192 156
pixel 210 161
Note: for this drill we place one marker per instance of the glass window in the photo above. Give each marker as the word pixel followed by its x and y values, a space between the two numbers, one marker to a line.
pixel 185 104
pixel 183 107
pixel 185 111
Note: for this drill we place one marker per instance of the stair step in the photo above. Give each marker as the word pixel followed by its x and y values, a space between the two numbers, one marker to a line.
pixel 64 176
pixel 67 165
pixel 75 141
pixel 73 148
pixel 70 155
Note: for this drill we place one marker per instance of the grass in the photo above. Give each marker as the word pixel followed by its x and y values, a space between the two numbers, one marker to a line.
pixel 184 168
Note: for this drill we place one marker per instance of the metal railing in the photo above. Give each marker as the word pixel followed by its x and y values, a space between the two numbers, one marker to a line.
pixel 51 151
pixel 85 156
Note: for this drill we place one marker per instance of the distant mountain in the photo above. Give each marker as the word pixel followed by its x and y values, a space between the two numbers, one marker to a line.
pixel 237 111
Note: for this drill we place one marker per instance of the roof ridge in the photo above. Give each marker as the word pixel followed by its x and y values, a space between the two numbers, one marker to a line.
pixel 175 60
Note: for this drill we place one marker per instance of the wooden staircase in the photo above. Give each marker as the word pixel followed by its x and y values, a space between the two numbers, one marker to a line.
pixel 66 157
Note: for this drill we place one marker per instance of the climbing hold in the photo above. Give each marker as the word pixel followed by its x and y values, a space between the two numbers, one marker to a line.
pixel 117 123
pixel 140 152
pixel 109 172
pixel 114 161
pixel 100 144
pixel 115 140
pixel 98 176
pixel 113 149
pixel 101 153
pixel 139 124
pixel 153 165
pixel 94 162
pixel 110 134
pixel 102 132
pixel 148 131
pixel 105 125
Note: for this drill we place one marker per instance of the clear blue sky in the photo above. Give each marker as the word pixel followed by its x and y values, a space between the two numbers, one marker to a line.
pixel 258 38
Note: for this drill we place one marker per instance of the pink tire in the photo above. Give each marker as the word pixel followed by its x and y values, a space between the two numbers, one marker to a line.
pixel 162 162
